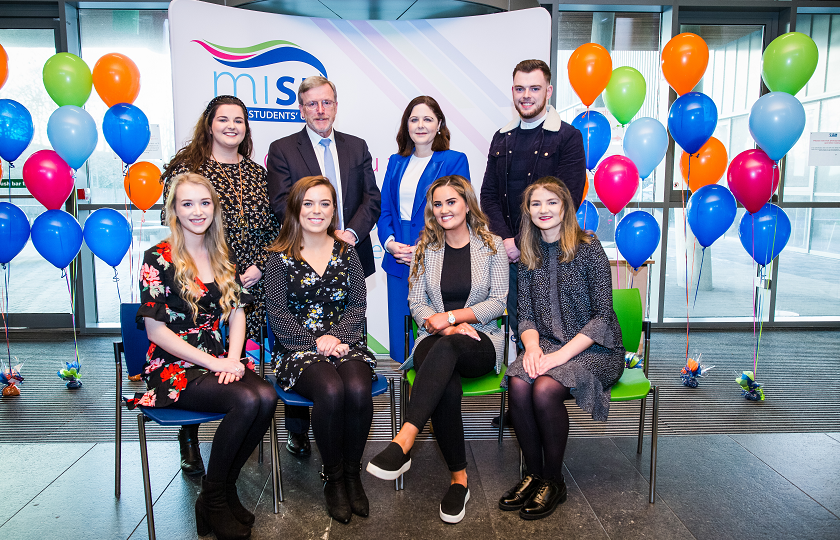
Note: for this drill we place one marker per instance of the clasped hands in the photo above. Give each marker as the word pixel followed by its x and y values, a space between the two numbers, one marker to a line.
pixel 536 363
pixel 331 346
pixel 403 253
pixel 228 370
pixel 439 324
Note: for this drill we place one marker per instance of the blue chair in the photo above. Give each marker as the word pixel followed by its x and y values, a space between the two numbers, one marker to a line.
pixel 291 398
pixel 134 346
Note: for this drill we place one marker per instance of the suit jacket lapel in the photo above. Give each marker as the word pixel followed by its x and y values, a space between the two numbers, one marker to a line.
pixel 308 154
pixel 430 174
pixel 435 261
pixel 479 273
pixel 399 171
pixel 343 164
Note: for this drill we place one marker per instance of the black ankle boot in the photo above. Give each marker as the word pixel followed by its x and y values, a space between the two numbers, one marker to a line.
pixel 335 493
pixel 240 512
pixel 191 462
pixel 355 491
pixel 212 514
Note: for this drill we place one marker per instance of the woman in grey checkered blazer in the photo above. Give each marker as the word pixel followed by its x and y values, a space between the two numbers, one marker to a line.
pixel 458 288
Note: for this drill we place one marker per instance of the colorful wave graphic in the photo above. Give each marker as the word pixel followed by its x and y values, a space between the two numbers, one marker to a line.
pixel 263 54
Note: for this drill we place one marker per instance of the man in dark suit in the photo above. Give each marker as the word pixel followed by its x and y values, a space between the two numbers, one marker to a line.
pixel 319 150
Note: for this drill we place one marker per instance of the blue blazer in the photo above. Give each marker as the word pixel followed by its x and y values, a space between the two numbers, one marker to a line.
pixel 443 163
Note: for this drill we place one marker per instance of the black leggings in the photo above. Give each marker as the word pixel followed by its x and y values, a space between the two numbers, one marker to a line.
pixel 248 404
pixel 440 362
pixel 541 423
pixel 342 409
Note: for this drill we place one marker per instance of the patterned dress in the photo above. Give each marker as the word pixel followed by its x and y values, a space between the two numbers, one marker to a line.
pixel 249 227
pixel 303 306
pixel 167 375
pixel 562 300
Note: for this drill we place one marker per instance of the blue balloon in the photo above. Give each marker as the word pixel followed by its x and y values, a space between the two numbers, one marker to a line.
pixel 72 134
pixel 692 120
pixel 127 131
pixel 645 143
pixel 777 120
pixel 57 236
pixel 108 235
pixel 14 231
pixel 596 132
pixel 765 234
pixel 637 237
pixel 16 129
pixel 587 216
pixel 711 211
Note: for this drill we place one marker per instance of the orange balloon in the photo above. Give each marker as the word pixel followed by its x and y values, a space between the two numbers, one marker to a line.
pixel 142 185
pixel 585 187
pixel 684 61
pixel 590 69
pixel 116 79
pixel 4 66
pixel 707 166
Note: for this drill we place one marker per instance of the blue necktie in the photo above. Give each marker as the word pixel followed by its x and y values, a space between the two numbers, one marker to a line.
pixel 329 172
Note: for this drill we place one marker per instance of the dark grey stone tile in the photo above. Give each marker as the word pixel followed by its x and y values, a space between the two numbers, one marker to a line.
pixel 34 467
pixel 498 469
pixel 810 461
pixel 720 490
pixel 81 504
pixel 617 493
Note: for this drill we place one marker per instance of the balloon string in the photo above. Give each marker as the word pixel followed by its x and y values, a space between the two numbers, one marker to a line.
pixel 685 244
pixel 588 128
pixel 755 349
pixel 760 324
pixel 4 308
pixel 117 281
pixel 11 166
pixel 66 277
pixel 139 250
pixel 699 273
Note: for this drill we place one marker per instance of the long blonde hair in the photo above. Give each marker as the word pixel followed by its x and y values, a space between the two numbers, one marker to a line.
pixel 186 272
pixel 571 235
pixel 433 236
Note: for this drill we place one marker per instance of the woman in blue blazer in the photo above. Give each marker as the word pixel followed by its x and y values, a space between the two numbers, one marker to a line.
pixel 423 157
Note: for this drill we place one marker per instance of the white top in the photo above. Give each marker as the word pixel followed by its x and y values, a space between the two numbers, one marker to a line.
pixel 534 124
pixel 408 184
pixel 319 153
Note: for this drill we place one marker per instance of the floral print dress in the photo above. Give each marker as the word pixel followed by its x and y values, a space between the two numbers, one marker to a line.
pixel 303 306
pixel 167 375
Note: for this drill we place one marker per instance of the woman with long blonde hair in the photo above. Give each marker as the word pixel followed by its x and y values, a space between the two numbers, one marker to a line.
pixel 188 288
pixel 316 300
pixel 458 335
pixel 571 337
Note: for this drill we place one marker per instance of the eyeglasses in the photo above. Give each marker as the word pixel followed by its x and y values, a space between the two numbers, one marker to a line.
pixel 313 105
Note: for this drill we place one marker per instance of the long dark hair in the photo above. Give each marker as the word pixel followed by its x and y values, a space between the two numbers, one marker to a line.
pixel 291 233
pixel 404 143
pixel 200 147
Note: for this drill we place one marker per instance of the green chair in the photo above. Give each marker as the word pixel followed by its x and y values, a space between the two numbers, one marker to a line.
pixel 633 383
pixel 479 386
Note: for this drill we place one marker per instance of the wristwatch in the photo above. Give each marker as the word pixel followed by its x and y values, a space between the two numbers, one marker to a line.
pixel 451 318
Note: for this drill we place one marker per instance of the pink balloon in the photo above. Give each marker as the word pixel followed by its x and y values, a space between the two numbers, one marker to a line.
pixel 616 181
pixel 753 178
pixel 48 178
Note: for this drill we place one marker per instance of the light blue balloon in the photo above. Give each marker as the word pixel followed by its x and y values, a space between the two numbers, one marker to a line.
pixel 72 134
pixel 645 143
pixel 637 237
pixel 587 216
pixel 16 129
pixel 777 120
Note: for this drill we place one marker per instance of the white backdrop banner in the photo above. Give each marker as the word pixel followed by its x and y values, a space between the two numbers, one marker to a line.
pixel 377 67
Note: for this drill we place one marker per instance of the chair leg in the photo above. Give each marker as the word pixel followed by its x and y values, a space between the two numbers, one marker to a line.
pixel 147 484
pixel 403 411
pixel 654 435
pixel 391 383
pixel 502 417
pixel 276 473
pixel 641 426
pixel 262 375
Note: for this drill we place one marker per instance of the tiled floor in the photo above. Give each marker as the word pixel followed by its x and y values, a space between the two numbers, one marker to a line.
pixel 708 486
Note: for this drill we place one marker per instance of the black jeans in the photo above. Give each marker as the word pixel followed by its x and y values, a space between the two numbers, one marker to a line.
pixel 342 409
pixel 248 404
pixel 440 362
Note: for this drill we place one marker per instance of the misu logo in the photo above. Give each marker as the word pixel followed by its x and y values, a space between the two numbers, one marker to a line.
pixel 266 54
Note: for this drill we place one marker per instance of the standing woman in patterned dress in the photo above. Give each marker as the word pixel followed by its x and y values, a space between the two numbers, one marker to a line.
pixel 220 150
pixel 316 299
pixel 572 342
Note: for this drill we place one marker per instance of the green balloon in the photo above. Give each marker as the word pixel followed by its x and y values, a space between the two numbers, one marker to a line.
pixel 789 62
pixel 625 93
pixel 67 79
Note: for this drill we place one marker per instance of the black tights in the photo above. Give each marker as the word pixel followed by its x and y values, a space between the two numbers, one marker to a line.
pixel 342 409
pixel 541 422
pixel 248 404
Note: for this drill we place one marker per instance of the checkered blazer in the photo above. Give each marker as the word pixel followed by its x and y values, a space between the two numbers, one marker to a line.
pixel 487 299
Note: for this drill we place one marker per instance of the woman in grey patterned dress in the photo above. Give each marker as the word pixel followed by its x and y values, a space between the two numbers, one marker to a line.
pixel 572 341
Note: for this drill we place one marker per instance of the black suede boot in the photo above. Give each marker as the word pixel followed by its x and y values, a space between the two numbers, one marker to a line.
pixel 355 491
pixel 335 493
pixel 191 462
pixel 212 514
pixel 240 512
